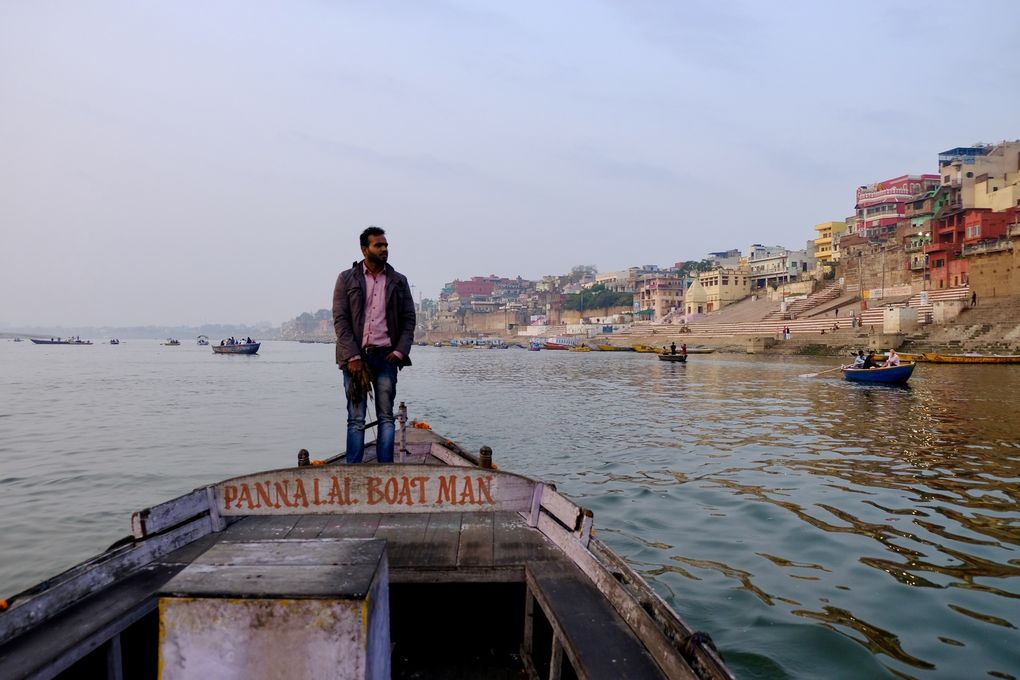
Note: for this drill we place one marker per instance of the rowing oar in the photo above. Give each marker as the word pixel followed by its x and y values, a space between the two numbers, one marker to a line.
pixel 812 375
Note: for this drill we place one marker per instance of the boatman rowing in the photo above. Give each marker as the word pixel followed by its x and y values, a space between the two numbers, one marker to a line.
pixel 374 319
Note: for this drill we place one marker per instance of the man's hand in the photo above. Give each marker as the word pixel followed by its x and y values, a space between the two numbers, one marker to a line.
pixel 393 358
pixel 353 366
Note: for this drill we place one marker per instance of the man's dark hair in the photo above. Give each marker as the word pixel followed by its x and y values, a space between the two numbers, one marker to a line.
pixel 370 231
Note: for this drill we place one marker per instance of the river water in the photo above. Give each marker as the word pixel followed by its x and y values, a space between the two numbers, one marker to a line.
pixel 815 528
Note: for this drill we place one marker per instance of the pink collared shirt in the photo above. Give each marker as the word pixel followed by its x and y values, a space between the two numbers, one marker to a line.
pixel 375 334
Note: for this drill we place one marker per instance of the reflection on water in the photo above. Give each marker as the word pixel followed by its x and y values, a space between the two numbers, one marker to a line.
pixel 817 528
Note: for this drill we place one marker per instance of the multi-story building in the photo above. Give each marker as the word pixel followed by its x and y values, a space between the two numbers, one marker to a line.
pixel 725 258
pixel 994 265
pixel 881 205
pixel 775 265
pixel 826 244
pixel 618 282
pixel 663 294
pixel 969 176
pixel 715 289
pixel 913 234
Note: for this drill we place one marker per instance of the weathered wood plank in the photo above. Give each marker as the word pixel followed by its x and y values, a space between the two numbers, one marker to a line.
pixel 449 457
pixel 598 642
pixel 350 526
pixel 405 535
pixel 515 543
pixel 260 528
pixel 476 540
pixel 347 580
pixel 562 508
pixel 309 526
pixel 702 657
pixel 76 631
pixel 665 654
pixel 30 608
pixel 368 488
pixel 165 515
pixel 442 539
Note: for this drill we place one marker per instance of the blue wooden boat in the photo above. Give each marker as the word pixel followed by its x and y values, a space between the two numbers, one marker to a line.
pixel 890 375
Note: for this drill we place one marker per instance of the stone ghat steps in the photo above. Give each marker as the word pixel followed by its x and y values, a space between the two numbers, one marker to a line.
pixel 798 307
pixel 774 326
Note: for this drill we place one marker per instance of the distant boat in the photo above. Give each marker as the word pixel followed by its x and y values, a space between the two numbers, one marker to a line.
pixel 114 341
pixel 968 358
pixel 614 348
pixel 171 342
pixel 890 375
pixel 535 345
pixel 203 340
pixel 60 341
pixel 17 339
pixel 237 348
pixel 647 349
pixel 559 343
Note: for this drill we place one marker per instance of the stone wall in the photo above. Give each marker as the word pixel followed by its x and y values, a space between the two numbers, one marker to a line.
pixel 995 274
pixel 569 316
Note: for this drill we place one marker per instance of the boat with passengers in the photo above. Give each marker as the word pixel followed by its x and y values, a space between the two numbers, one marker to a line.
pixel 887 375
pixel 61 341
pixel 236 346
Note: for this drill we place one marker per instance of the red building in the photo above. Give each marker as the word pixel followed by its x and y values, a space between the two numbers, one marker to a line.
pixel 950 231
pixel 880 206
pixel 477 285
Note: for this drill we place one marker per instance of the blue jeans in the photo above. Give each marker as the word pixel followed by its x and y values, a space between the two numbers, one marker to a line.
pixel 384 390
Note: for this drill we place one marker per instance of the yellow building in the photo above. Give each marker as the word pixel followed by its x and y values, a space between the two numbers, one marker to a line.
pixel 716 289
pixel 827 241
pixel 998 193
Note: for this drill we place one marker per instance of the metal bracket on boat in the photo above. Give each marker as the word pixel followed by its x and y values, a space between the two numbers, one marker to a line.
pixel 587 520
pixel 216 521
pixel 536 505
pixel 402 419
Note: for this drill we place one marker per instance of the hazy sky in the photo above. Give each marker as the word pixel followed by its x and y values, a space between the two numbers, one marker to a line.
pixel 214 162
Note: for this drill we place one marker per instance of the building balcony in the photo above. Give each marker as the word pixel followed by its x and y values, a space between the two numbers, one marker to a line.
pixel 916 247
pixel 984 247
pixel 946 247
pixel 917 265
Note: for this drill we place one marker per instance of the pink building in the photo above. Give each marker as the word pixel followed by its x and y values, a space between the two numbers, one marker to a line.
pixel 881 205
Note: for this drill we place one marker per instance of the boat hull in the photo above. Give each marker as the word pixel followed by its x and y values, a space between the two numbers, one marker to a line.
pixel 250 348
pixel 60 342
pixel 891 375
pixel 676 358
pixel 531 547
pixel 936 358
pixel 614 348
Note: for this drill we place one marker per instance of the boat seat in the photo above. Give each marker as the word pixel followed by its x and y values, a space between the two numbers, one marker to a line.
pixel 595 639
pixel 96 621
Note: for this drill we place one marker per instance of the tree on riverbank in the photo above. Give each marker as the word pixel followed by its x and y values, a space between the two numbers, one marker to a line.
pixel 597 297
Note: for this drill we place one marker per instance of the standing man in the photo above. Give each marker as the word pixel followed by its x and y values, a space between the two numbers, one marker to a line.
pixel 373 315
